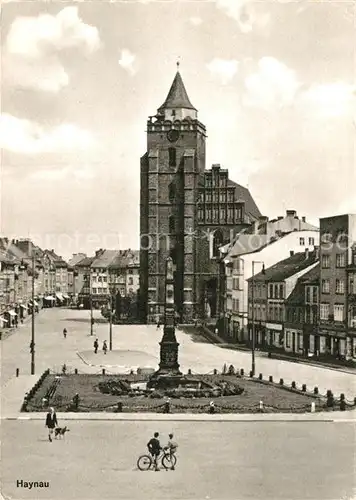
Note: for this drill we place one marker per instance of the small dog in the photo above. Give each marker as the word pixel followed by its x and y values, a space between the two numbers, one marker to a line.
pixel 60 431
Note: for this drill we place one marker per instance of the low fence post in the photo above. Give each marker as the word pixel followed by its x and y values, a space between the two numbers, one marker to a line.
pixel 17 372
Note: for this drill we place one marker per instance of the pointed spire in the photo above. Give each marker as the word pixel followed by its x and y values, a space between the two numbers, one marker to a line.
pixel 177 96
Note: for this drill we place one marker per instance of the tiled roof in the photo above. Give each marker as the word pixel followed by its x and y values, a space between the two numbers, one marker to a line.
pixel 86 262
pixel 105 258
pixel 287 267
pixel 243 194
pixel 177 96
pixel 297 297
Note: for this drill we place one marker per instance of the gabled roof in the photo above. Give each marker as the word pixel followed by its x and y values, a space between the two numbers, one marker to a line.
pixel 297 297
pixel 85 262
pixel 243 194
pixel 104 259
pixel 177 96
pixel 288 267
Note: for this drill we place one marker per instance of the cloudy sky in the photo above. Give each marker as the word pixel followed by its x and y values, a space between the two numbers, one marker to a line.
pixel 274 83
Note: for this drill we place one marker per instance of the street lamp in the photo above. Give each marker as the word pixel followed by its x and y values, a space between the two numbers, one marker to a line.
pixel 32 344
pixel 91 304
pixel 112 289
pixel 253 368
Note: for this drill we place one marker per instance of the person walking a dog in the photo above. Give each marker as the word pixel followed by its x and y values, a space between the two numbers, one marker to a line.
pixel 51 422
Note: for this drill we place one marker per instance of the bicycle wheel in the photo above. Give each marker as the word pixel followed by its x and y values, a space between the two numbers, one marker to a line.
pixel 144 462
pixel 169 461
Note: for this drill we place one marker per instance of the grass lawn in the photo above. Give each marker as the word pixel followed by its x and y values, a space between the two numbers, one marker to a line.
pixel 274 397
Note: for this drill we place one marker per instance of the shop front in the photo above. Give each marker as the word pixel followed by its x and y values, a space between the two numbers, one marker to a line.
pixel 275 335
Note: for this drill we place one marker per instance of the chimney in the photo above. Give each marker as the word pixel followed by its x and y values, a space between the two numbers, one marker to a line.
pixel 303 219
pixel 280 217
pixel 306 253
pixel 291 213
pixel 291 252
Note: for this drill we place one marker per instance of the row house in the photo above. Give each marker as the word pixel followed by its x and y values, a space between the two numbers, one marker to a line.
pixel 268 292
pixel 337 311
pixel 302 316
pixel 268 241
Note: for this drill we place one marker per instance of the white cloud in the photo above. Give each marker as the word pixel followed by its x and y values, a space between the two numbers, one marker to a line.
pixel 272 85
pixel 195 20
pixel 27 137
pixel 249 15
pixel 33 44
pixel 128 61
pixel 224 69
pixel 330 99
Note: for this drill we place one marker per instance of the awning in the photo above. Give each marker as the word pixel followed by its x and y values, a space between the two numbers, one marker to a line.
pixel 59 296
pixel 49 297
pixel 23 306
pixel 12 313
pixel 3 320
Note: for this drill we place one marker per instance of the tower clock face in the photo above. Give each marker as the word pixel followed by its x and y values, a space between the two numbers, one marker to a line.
pixel 173 135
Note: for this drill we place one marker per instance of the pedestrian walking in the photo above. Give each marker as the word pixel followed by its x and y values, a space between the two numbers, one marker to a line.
pixel 96 346
pixel 65 333
pixel 105 347
pixel 51 422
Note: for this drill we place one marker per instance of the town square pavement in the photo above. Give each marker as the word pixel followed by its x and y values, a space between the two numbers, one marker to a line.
pixel 137 345
pixel 216 460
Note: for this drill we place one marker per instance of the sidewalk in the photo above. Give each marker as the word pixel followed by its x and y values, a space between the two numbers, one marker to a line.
pixel 337 417
pixel 220 342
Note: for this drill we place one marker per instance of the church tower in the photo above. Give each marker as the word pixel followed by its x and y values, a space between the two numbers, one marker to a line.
pixel 171 172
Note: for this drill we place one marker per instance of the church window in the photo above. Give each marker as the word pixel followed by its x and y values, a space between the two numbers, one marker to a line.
pixel 172 157
pixel 200 214
pixel 171 224
pixel 171 193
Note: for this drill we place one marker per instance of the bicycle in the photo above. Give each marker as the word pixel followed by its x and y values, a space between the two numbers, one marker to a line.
pixel 146 461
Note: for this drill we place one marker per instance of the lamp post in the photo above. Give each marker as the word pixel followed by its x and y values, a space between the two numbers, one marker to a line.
pixel 253 367
pixel 112 289
pixel 91 304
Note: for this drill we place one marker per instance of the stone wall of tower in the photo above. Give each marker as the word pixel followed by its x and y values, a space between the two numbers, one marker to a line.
pixel 159 179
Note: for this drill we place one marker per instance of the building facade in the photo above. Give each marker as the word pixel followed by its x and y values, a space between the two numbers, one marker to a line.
pixel 268 242
pixel 338 236
pixel 186 211
pixel 268 294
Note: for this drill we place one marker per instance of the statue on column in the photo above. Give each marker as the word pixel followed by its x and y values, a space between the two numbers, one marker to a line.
pixel 168 366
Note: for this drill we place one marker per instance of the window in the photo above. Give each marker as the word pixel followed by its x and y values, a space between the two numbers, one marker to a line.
pixel 172 157
pixel 236 284
pixel 315 294
pixel 276 291
pixel 216 196
pixel 324 311
pixel 173 112
pixel 301 241
pixel 208 214
pixel 222 214
pixel 208 181
pixel 94 290
pixel 288 338
pixel 230 196
pixel 307 294
pixel 237 213
pixel 338 312
pixel 216 213
pixel 230 214
pixel 325 286
pixel 270 291
pixel 130 271
pixel 340 260
pixel 200 214
pixel 281 292
pixel 340 286
pixel 311 241
pixel 223 196
pixel 171 224
pixel 222 181
pixel 171 193
pixel 130 281
pixel 208 197
pixel 325 261
pixel 236 305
